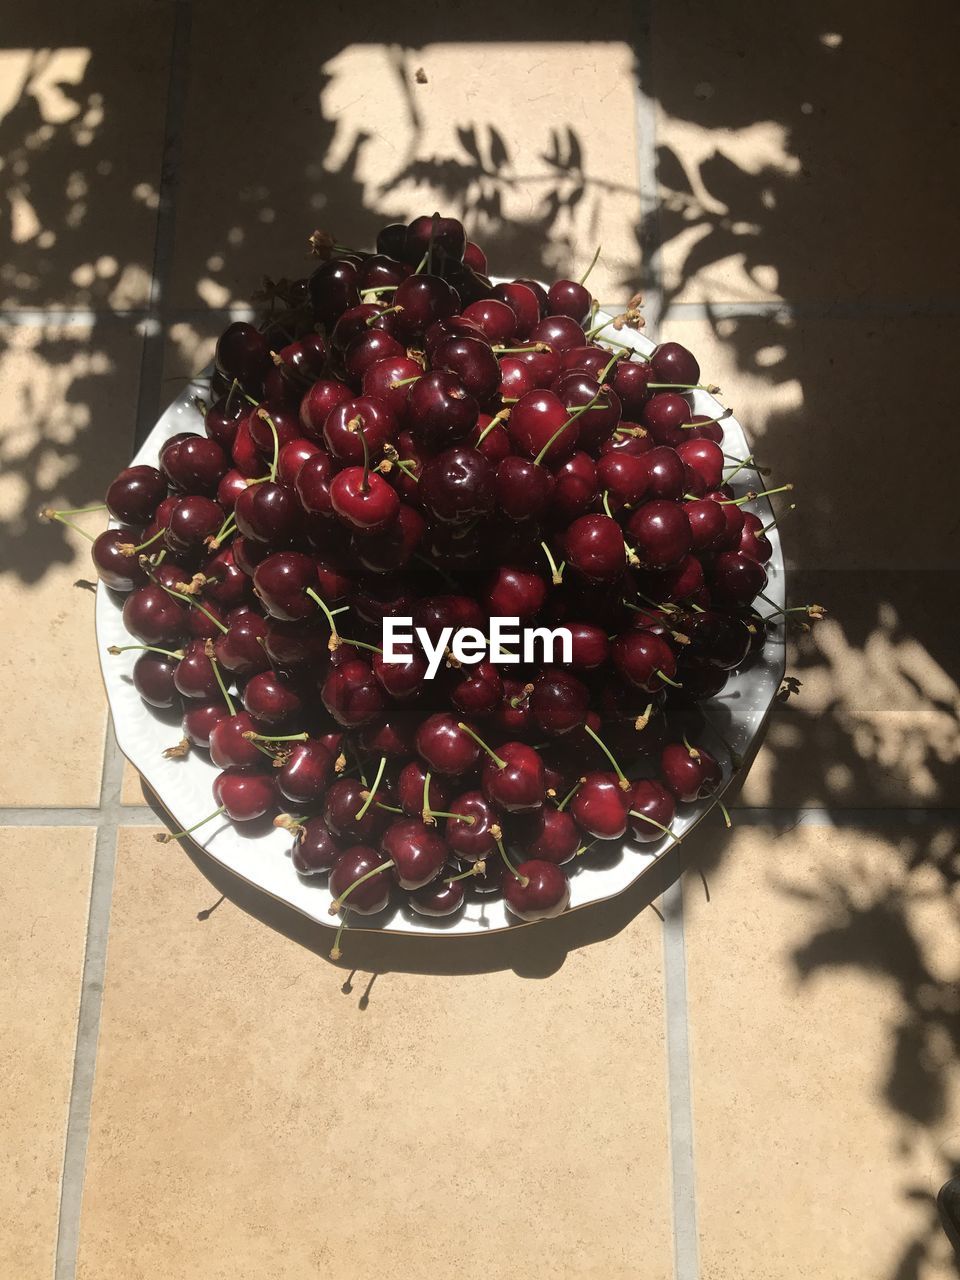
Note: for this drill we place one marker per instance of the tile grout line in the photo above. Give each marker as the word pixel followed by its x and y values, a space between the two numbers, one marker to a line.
pixel 111 811
pixel 683 1194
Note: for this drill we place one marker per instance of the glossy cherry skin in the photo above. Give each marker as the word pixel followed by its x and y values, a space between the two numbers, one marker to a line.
pixel 135 494
pixel 194 676
pixel 673 363
pixel 199 720
pixel 281 582
pixel 706 520
pixel 229 746
pixel 753 541
pixel 559 702
pixel 631 380
pixel 438 898
pixel 364 499
pixel 691 774
pixel 475 258
pixel 569 298
pixel 444 746
pixel 241 649
pixel 659 534
pixel 315 850
pixel 494 318
pixel 720 638
pixel 119 571
pixel 417 851
pixel 589 646
pixel 473 364
pixel 351 694
pixel 272 698
pixel 222 419
pixel 542 892
pixel 735 580
pixel 576 487
pixel 411 781
pixel 371 896
pixel 312 484
pixel 333 288
pixel 154 679
pixel 242 353
pixel 625 475
pixel 231 485
pixel 476 691
pixel 268 513
pixel 246 794
pixel 599 806
pixel 440 411
pixel 457 485
pixel 392 547
pixel 195 465
pixel 193 520
pixel 471 835
pixel 442 238
pixel 663 415
pixel 594 547
pixel 305 773
pixel 639 656
pixel 652 800
pixel 153 617
pixel 424 299
pixel 547 833
pixel 705 459
pixel 666 475
pixel 536 419
pixel 524 490
pixel 345 421
pixel 388 381
pixel 322 397
pixel 226 584
pixel 518 784
pixel 510 592
pixel 343 801
pixel 524 304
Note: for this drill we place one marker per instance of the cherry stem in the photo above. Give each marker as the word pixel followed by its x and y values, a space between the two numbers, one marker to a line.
pixel 145 648
pixel 726 814
pixel 48 513
pixel 262 413
pixel 692 751
pixel 653 822
pixel 372 792
pixel 334 642
pixel 748 461
pixel 335 952
pixel 405 382
pixel 773 523
pixel 390 808
pixel 225 529
pixel 524 881
pixel 494 421
pixel 178 595
pixel 569 796
pixel 516 351
pixel 478 868
pixel 234 388
pixel 277 737
pixel 497 760
pixel 752 496
pixel 127 549
pixel 617 355
pixel 166 836
pixel 337 904
pixel 593 263
pixel 666 680
pixel 375 293
pixel 606 503
pixel 563 426
pixel 557 573
pixel 685 386
pixel 231 706
pixel 365 483
pixel 624 780
pixel 689 426
pixel 361 644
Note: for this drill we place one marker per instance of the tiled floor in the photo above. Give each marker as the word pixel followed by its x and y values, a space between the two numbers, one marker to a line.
pixel 760 1084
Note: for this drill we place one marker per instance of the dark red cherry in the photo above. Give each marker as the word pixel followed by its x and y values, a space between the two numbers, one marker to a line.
pixel 513 592
pixel 364 499
pixel 153 617
pixel 594 547
pixel 541 424
pixel 659 534
pixel 691 773
pixel 473 364
pixel 424 299
pixel 392 548
pixel 154 679
pixel 589 645
pixel 475 258
pixel 446 747
pixel 135 494
pixel 245 794
pixel 195 465
pixel 333 288
pixel 476 690
pixel 241 649
pixel 524 304
pixel 539 891
pixel 315 850
pixel 569 298
pixel 639 656
pixel 305 772
pixel 631 381
pixel 411 782
pixel 471 832
pixel 706 521
pixel 515 780
pixel 705 460
pixel 345 798
pixel 440 412
pixel 663 415
pixel 351 694
pixel 735 580
pixel 199 719
pixel 439 898
pixel 372 895
pixel 195 676
pixel 417 851
pixel 229 745
pixel 242 353
pixel 559 701
pixel 652 801
pixel 494 317
pixel 673 363
pixel 222 420
pixel 552 835
pixel 272 698
pixel 666 476
pixel 599 806
pixel 624 475
pixel 323 396
pixel 268 513
pixel 116 566
pixel 371 416
pixel 524 490
pixel 281 582
pixel 576 487
pixel 559 332
pixel 753 540
pixel 457 485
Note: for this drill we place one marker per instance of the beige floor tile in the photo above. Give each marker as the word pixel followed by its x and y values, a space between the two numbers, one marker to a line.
pixel 533 138
pixel 46 885
pixel 69 396
pixel 131 785
pixel 875 721
pixel 255 1118
pixel 824 1026
pixel 770 136
pixel 873 484
pixel 82 105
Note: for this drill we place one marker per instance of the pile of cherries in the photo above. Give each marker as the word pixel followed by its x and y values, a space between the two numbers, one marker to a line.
pixel 405 438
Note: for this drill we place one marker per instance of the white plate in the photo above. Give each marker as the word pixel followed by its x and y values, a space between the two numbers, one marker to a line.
pixel 184 786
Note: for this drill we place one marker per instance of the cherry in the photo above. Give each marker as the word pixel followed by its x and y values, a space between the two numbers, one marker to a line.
pixel 194 676
pixel 412 786
pixel 718 637
pixel 631 381
pixel 322 397
pixel 475 258
pixel 230 745
pixel 538 891
pixel 345 422
pixel 424 299
pixel 193 520
pixel 512 777
pixel 245 794
pixel 660 534
pixel 388 381
pixel 417 852
pixel 272 426
pixel 457 485
pixel 663 415
pixel 199 720
pixel 345 799
pixel 516 378
pixel 735 579
pixel 494 318
pixel 651 810
pixel 624 475
pixel 304 774
pixel 392 547
pixel 313 484
pixel 589 646
pixel 363 498
pixel 569 298
pixel 599 806
pixel 586 359
pixel 576 487
pixel 194 464
pixel 268 513
pixel 706 520
pixel 450 327
pixel 224 582
pixel 524 304
pixel 231 485
pixel 366 896
pixel 314 850
pixel 511 592
pixel 434 613
pixel 594 547
pixel 222 420
pixel 472 363
pixel 559 701
pixel 753 540
pixel 392 240
pixel 477 690
pixel 242 353
pixel 333 288
pixel 540 426
pixel 472 831
pixel 524 490
pixel 116 565
pixel 135 494
pixel 672 363
pixel 439 410
pixel 705 460
pixel 439 898
pixel 295 644
pixel 445 745
pixel 559 332
pixel 381 270
pixel 282 580
pixel 154 617
pixel 680 582
pixel 666 476
pixel 296 366
pixel 241 649
pixel 351 693
pixel 154 678
pixel 691 773
pixel 272 698
pixel 443 238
